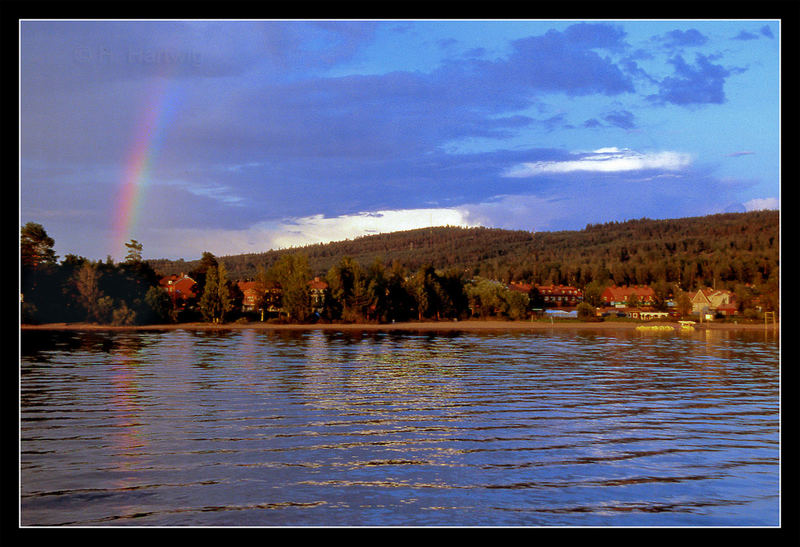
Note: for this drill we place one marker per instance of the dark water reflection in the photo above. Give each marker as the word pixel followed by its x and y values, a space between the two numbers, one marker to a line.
pixel 283 428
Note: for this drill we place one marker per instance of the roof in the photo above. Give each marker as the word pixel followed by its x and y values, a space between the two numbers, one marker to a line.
pixel 708 294
pixel 622 293
pixel 557 288
pixel 521 287
pixel 251 286
pixel 185 286
pixel 317 284
pixel 179 284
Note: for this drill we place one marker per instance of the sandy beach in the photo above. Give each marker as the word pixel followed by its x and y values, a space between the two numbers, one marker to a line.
pixel 409 326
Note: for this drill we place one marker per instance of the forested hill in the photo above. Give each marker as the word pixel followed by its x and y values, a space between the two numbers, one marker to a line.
pixel 720 250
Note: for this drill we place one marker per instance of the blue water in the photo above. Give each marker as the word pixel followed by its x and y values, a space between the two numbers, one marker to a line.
pixel 318 428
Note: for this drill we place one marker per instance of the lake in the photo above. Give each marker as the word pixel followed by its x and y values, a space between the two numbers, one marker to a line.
pixel 324 428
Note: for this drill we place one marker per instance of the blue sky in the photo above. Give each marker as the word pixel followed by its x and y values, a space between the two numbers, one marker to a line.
pixel 269 134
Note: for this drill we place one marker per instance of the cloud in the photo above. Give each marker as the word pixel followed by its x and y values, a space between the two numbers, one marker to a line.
pixel 605 160
pixel 766 31
pixel 759 204
pixel 689 38
pixel 622 118
pixel 699 84
pixel 319 229
pixel 744 35
pixel 297 232
pixel 566 61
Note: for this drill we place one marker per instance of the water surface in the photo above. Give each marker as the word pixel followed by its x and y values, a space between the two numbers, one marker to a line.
pixel 294 428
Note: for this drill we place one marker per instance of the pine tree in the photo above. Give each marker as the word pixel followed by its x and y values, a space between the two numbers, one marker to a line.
pixel 210 303
pixel 223 292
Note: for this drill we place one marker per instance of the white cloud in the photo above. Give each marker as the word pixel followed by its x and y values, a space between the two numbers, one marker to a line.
pixel 758 204
pixel 219 192
pixel 297 232
pixel 318 229
pixel 605 160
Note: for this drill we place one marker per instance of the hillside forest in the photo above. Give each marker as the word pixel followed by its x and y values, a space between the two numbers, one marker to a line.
pixel 437 272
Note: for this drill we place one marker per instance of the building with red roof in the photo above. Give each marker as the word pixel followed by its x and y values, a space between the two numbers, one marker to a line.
pixel 181 288
pixel 317 288
pixel 560 295
pixel 252 294
pixel 621 296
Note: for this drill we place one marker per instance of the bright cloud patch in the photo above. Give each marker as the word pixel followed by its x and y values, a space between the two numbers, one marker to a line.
pixel 605 160
pixel 306 231
pixel 318 229
pixel 759 204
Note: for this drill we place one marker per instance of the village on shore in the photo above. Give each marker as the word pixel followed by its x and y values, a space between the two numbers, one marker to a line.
pixel 131 293
pixel 261 302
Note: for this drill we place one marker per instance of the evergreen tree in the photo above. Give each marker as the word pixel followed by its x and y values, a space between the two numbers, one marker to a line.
pixel 210 305
pixel 226 302
pixel 134 252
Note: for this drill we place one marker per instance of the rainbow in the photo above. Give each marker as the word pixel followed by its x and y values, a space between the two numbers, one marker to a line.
pixel 147 141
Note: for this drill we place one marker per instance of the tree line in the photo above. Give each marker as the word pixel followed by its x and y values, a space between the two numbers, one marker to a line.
pixel 716 250
pixel 444 273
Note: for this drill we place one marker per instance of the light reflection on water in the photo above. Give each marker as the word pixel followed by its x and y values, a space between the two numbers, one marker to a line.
pixel 285 428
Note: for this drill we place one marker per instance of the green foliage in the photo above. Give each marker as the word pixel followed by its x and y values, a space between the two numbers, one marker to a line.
pixel 435 273
pixel 134 251
pixel 87 283
pixel 487 297
pixel 224 291
pixel 585 311
pixel 36 247
pixel 160 305
pixel 210 305
pixel 516 304
pixel 123 315
pixel 347 285
pixel 293 274
pixel 728 248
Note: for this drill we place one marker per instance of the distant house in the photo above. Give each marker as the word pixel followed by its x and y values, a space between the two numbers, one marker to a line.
pixel 560 295
pixel 272 298
pixel 519 286
pixel 253 293
pixel 181 288
pixel 317 288
pixel 621 296
pixel 706 301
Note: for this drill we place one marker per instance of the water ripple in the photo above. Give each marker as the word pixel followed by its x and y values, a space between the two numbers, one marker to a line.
pixel 323 428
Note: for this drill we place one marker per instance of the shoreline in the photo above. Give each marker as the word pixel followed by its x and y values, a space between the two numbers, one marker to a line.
pixel 406 326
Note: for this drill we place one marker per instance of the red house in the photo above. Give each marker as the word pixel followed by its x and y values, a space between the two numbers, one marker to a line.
pixel 560 295
pixel 252 294
pixel 519 286
pixel 317 288
pixel 179 287
pixel 621 296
